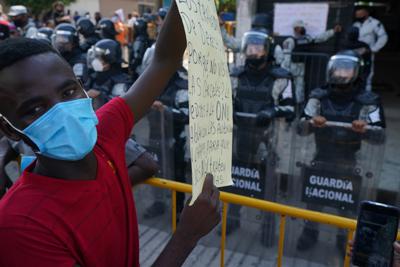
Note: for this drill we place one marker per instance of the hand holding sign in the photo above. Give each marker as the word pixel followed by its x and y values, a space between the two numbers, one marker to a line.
pixel 210 95
pixel 199 219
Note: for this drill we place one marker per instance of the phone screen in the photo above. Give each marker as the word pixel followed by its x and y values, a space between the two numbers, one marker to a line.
pixel 375 235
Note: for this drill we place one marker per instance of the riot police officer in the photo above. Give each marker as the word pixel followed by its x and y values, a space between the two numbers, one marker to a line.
pixel 87 29
pixel 66 40
pixel 264 91
pixel 301 42
pixel 342 100
pixel 45 34
pixel 175 98
pixel 140 45
pixel 107 29
pixel 108 78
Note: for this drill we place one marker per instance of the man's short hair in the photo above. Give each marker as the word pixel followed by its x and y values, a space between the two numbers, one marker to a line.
pixel 15 49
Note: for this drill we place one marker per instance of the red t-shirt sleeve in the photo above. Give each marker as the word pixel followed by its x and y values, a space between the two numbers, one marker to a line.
pixel 32 248
pixel 115 123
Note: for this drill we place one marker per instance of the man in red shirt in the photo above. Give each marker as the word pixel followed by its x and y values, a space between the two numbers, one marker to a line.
pixel 74 205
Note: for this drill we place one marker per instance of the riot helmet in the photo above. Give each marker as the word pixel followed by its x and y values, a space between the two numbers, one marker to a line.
pixel 162 12
pixel 261 21
pixel 45 34
pixel 256 48
pixel 107 29
pixel 140 27
pixel 65 38
pixel 343 71
pixel 85 27
pixel 104 54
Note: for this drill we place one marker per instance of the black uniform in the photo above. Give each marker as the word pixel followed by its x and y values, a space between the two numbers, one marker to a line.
pixel 340 144
pixel 139 47
pixel 111 83
pixel 258 93
pixel 77 60
pixel 88 30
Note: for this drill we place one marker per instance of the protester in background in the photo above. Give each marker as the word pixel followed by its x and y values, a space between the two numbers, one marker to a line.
pixel 19 16
pixel 58 15
pixel 300 42
pixel 87 29
pixel 151 20
pixel 373 33
pixel 121 30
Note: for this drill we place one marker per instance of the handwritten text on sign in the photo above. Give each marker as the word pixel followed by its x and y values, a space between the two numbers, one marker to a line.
pixel 210 95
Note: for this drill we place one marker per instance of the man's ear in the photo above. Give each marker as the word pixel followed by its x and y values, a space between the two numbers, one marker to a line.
pixel 8 130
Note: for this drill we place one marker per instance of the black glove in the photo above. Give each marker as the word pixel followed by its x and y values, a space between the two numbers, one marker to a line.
pixel 264 117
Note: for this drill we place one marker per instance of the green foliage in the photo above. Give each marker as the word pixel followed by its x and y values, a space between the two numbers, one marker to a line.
pixel 226 5
pixel 36 6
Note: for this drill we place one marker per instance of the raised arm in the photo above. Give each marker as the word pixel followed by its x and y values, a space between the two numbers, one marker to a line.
pixel 171 44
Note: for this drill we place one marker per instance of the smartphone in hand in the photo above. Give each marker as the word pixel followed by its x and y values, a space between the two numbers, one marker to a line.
pixel 376 231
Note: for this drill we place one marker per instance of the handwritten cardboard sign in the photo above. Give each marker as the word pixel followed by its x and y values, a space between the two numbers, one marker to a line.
pixel 210 95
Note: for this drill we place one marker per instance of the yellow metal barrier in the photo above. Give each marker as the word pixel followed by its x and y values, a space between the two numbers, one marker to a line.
pixel 283 210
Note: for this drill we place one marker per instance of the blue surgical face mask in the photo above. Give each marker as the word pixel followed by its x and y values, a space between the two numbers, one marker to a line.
pixel 65 132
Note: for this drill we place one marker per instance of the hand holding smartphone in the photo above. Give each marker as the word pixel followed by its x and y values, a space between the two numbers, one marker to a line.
pixel 375 234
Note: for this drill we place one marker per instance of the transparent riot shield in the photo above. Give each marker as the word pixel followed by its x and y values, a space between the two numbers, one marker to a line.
pixel 254 175
pixel 332 170
pixel 155 133
pixel 335 167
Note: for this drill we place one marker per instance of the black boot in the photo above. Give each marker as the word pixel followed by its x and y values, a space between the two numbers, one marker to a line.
pixel 307 239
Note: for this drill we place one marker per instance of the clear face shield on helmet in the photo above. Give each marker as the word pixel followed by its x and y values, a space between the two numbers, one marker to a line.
pixel 343 71
pixel 255 47
pixel 63 41
pixel 95 59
